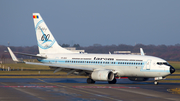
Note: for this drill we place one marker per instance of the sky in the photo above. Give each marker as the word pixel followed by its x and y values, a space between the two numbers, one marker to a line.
pixel 88 22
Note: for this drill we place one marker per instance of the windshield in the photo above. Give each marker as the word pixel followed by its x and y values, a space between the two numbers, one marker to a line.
pixel 163 63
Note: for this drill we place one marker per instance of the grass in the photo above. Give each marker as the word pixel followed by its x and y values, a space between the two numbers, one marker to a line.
pixel 175 64
pixel 24 66
pixel 177 72
pixel 173 77
pixel 174 91
pixel 29 72
pixel 170 81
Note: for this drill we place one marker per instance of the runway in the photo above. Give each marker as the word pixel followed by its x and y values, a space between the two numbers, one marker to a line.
pixel 76 89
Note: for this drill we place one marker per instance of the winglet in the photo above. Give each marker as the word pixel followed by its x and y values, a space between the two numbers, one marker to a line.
pixel 142 52
pixel 12 55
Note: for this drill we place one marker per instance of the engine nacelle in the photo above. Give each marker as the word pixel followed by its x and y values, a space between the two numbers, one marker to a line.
pixel 102 75
pixel 137 79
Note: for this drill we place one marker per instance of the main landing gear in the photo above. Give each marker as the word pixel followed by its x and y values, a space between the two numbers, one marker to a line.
pixel 91 81
pixel 113 81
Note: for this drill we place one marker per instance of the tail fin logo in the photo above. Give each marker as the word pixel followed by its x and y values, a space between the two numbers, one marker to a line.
pixel 35 16
pixel 45 40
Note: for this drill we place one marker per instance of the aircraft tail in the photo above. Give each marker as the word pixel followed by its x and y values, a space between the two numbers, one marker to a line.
pixel 46 41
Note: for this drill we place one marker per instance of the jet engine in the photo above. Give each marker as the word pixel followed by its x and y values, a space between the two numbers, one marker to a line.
pixel 102 75
pixel 137 79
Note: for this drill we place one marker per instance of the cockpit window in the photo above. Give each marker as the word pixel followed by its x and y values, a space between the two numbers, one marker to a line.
pixel 159 63
pixel 163 63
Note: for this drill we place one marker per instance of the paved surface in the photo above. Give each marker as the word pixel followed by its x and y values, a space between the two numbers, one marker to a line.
pixel 76 89
pixel 52 75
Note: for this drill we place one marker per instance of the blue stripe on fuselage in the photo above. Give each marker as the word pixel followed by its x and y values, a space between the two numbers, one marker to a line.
pixel 103 63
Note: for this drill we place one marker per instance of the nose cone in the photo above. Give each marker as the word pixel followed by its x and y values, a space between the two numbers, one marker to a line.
pixel 172 69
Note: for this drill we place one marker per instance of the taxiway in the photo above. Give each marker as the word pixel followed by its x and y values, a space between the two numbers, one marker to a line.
pixel 76 89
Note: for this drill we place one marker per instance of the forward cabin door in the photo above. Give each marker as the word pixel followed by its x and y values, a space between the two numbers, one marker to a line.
pixel 148 65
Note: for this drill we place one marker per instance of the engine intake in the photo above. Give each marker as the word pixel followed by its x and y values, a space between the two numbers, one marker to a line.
pixel 102 75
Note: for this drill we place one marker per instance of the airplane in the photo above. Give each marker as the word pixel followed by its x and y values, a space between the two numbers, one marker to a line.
pixel 99 67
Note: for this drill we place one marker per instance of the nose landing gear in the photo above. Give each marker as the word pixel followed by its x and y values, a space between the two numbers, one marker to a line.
pixel 156 82
pixel 158 78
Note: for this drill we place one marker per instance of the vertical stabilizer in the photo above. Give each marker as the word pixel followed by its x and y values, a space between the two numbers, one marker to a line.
pixel 46 41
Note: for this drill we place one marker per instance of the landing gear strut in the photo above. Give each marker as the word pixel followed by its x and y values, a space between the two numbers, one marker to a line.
pixel 90 81
pixel 113 81
pixel 156 82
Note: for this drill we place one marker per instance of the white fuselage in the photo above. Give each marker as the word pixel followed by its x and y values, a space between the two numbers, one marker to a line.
pixel 123 65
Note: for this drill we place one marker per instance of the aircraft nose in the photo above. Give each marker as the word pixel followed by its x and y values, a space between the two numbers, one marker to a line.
pixel 172 69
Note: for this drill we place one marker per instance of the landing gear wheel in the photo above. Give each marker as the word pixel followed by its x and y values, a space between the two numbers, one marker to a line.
pixel 156 82
pixel 113 81
pixel 90 81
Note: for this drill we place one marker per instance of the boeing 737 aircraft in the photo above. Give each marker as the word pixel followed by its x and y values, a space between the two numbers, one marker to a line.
pixel 99 67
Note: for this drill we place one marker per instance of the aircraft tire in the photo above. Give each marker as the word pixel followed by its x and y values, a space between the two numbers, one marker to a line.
pixel 156 82
pixel 90 81
pixel 113 81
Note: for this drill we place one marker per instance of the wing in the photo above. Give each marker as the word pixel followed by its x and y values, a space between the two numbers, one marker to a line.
pixel 69 68
pixel 61 66
pixel 80 70
pixel 36 56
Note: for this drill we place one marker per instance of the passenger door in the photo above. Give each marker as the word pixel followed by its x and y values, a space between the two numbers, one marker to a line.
pixel 148 65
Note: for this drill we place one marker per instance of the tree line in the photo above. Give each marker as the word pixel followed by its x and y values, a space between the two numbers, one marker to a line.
pixel 167 52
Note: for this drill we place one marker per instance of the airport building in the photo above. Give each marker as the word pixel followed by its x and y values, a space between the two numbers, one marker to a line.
pixel 73 49
pixel 126 52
